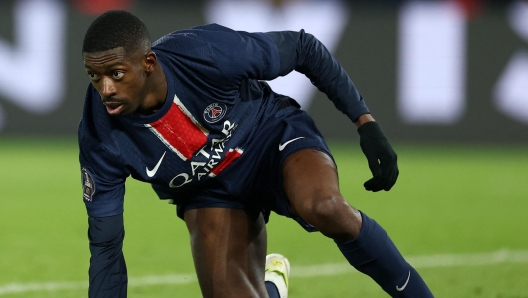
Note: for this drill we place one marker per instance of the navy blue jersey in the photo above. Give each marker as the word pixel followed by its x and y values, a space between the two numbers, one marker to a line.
pixel 216 103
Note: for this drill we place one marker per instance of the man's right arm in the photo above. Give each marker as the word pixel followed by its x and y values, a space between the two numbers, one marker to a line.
pixel 108 273
pixel 103 175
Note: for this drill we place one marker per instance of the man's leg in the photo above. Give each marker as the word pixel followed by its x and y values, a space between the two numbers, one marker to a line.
pixel 229 252
pixel 311 184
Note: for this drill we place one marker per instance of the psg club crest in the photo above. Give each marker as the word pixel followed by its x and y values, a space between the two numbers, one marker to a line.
pixel 88 185
pixel 214 112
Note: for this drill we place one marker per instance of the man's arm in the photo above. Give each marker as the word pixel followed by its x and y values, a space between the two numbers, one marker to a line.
pixel 302 52
pixel 108 273
pixel 364 119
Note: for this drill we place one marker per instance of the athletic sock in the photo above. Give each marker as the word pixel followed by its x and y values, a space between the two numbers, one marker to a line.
pixel 374 254
pixel 273 292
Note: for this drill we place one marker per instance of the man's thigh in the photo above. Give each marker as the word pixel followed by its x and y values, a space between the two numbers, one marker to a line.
pixel 311 183
pixel 297 133
pixel 300 180
pixel 229 251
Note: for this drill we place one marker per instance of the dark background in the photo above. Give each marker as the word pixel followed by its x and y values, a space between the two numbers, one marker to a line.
pixel 368 51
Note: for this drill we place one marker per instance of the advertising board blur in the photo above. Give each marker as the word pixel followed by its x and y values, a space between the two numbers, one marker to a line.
pixel 428 70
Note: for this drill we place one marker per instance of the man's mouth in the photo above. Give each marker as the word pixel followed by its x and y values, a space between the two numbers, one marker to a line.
pixel 113 108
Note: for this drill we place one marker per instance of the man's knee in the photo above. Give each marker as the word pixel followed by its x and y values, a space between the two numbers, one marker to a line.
pixel 331 214
pixel 323 207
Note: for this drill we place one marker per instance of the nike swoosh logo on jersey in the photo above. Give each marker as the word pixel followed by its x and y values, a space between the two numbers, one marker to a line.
pixel 405 284
pixel 152 172
pixel 282 146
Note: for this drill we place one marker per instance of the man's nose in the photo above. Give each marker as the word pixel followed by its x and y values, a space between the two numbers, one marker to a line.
pixel 107 88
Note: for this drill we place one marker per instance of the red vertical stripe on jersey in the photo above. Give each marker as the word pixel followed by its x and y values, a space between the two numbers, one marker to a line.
pixel 230 157
pixel 178 130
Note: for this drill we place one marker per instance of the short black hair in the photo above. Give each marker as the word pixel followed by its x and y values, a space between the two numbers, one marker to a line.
pixel 114 29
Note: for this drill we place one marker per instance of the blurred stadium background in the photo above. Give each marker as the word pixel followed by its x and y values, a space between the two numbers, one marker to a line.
pixel 448 81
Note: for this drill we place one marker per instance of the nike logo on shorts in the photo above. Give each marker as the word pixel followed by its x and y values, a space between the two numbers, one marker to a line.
pixel 152 172
pixel 282 146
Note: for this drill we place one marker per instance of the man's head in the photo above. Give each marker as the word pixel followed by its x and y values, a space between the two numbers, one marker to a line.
pixel 119 61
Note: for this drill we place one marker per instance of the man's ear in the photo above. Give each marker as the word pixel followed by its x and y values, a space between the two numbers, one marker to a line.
pixel 149 62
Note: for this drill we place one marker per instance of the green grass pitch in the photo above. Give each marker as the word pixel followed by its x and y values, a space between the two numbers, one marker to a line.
pixel 459 212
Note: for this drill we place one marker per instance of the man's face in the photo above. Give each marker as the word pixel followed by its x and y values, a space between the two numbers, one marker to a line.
pixel 119 78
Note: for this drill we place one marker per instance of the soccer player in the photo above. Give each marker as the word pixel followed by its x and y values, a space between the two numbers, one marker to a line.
pixel 192 115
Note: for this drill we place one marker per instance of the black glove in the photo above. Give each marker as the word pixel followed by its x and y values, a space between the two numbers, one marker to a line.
pixel 381 158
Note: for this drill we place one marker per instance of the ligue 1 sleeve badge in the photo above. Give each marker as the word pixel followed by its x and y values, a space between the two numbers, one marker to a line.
pixel 88 185
pixel 214 112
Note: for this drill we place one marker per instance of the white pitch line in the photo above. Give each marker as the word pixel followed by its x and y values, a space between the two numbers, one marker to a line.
pixel 429 261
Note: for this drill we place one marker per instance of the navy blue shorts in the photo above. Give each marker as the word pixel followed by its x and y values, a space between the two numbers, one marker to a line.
pixel 254 181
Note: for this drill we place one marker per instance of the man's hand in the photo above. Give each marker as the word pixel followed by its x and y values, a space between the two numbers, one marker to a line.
pixel 380 156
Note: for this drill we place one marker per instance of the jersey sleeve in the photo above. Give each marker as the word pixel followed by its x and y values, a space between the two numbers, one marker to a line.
pixel 102 195
pixel 218 58
pixel 242 55
pixel 304 53
pixel 103 180
pixel 107 272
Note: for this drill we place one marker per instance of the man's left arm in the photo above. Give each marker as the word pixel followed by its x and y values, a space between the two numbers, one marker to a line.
pixel 304 53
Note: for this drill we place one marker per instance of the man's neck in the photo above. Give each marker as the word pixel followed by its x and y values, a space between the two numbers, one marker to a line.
pixel 156 93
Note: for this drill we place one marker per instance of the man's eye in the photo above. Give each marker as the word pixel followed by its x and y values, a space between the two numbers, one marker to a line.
pixel 93 76
pixel 117 74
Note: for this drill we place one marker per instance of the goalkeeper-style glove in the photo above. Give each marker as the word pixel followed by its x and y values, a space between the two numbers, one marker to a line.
pixel 380 155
